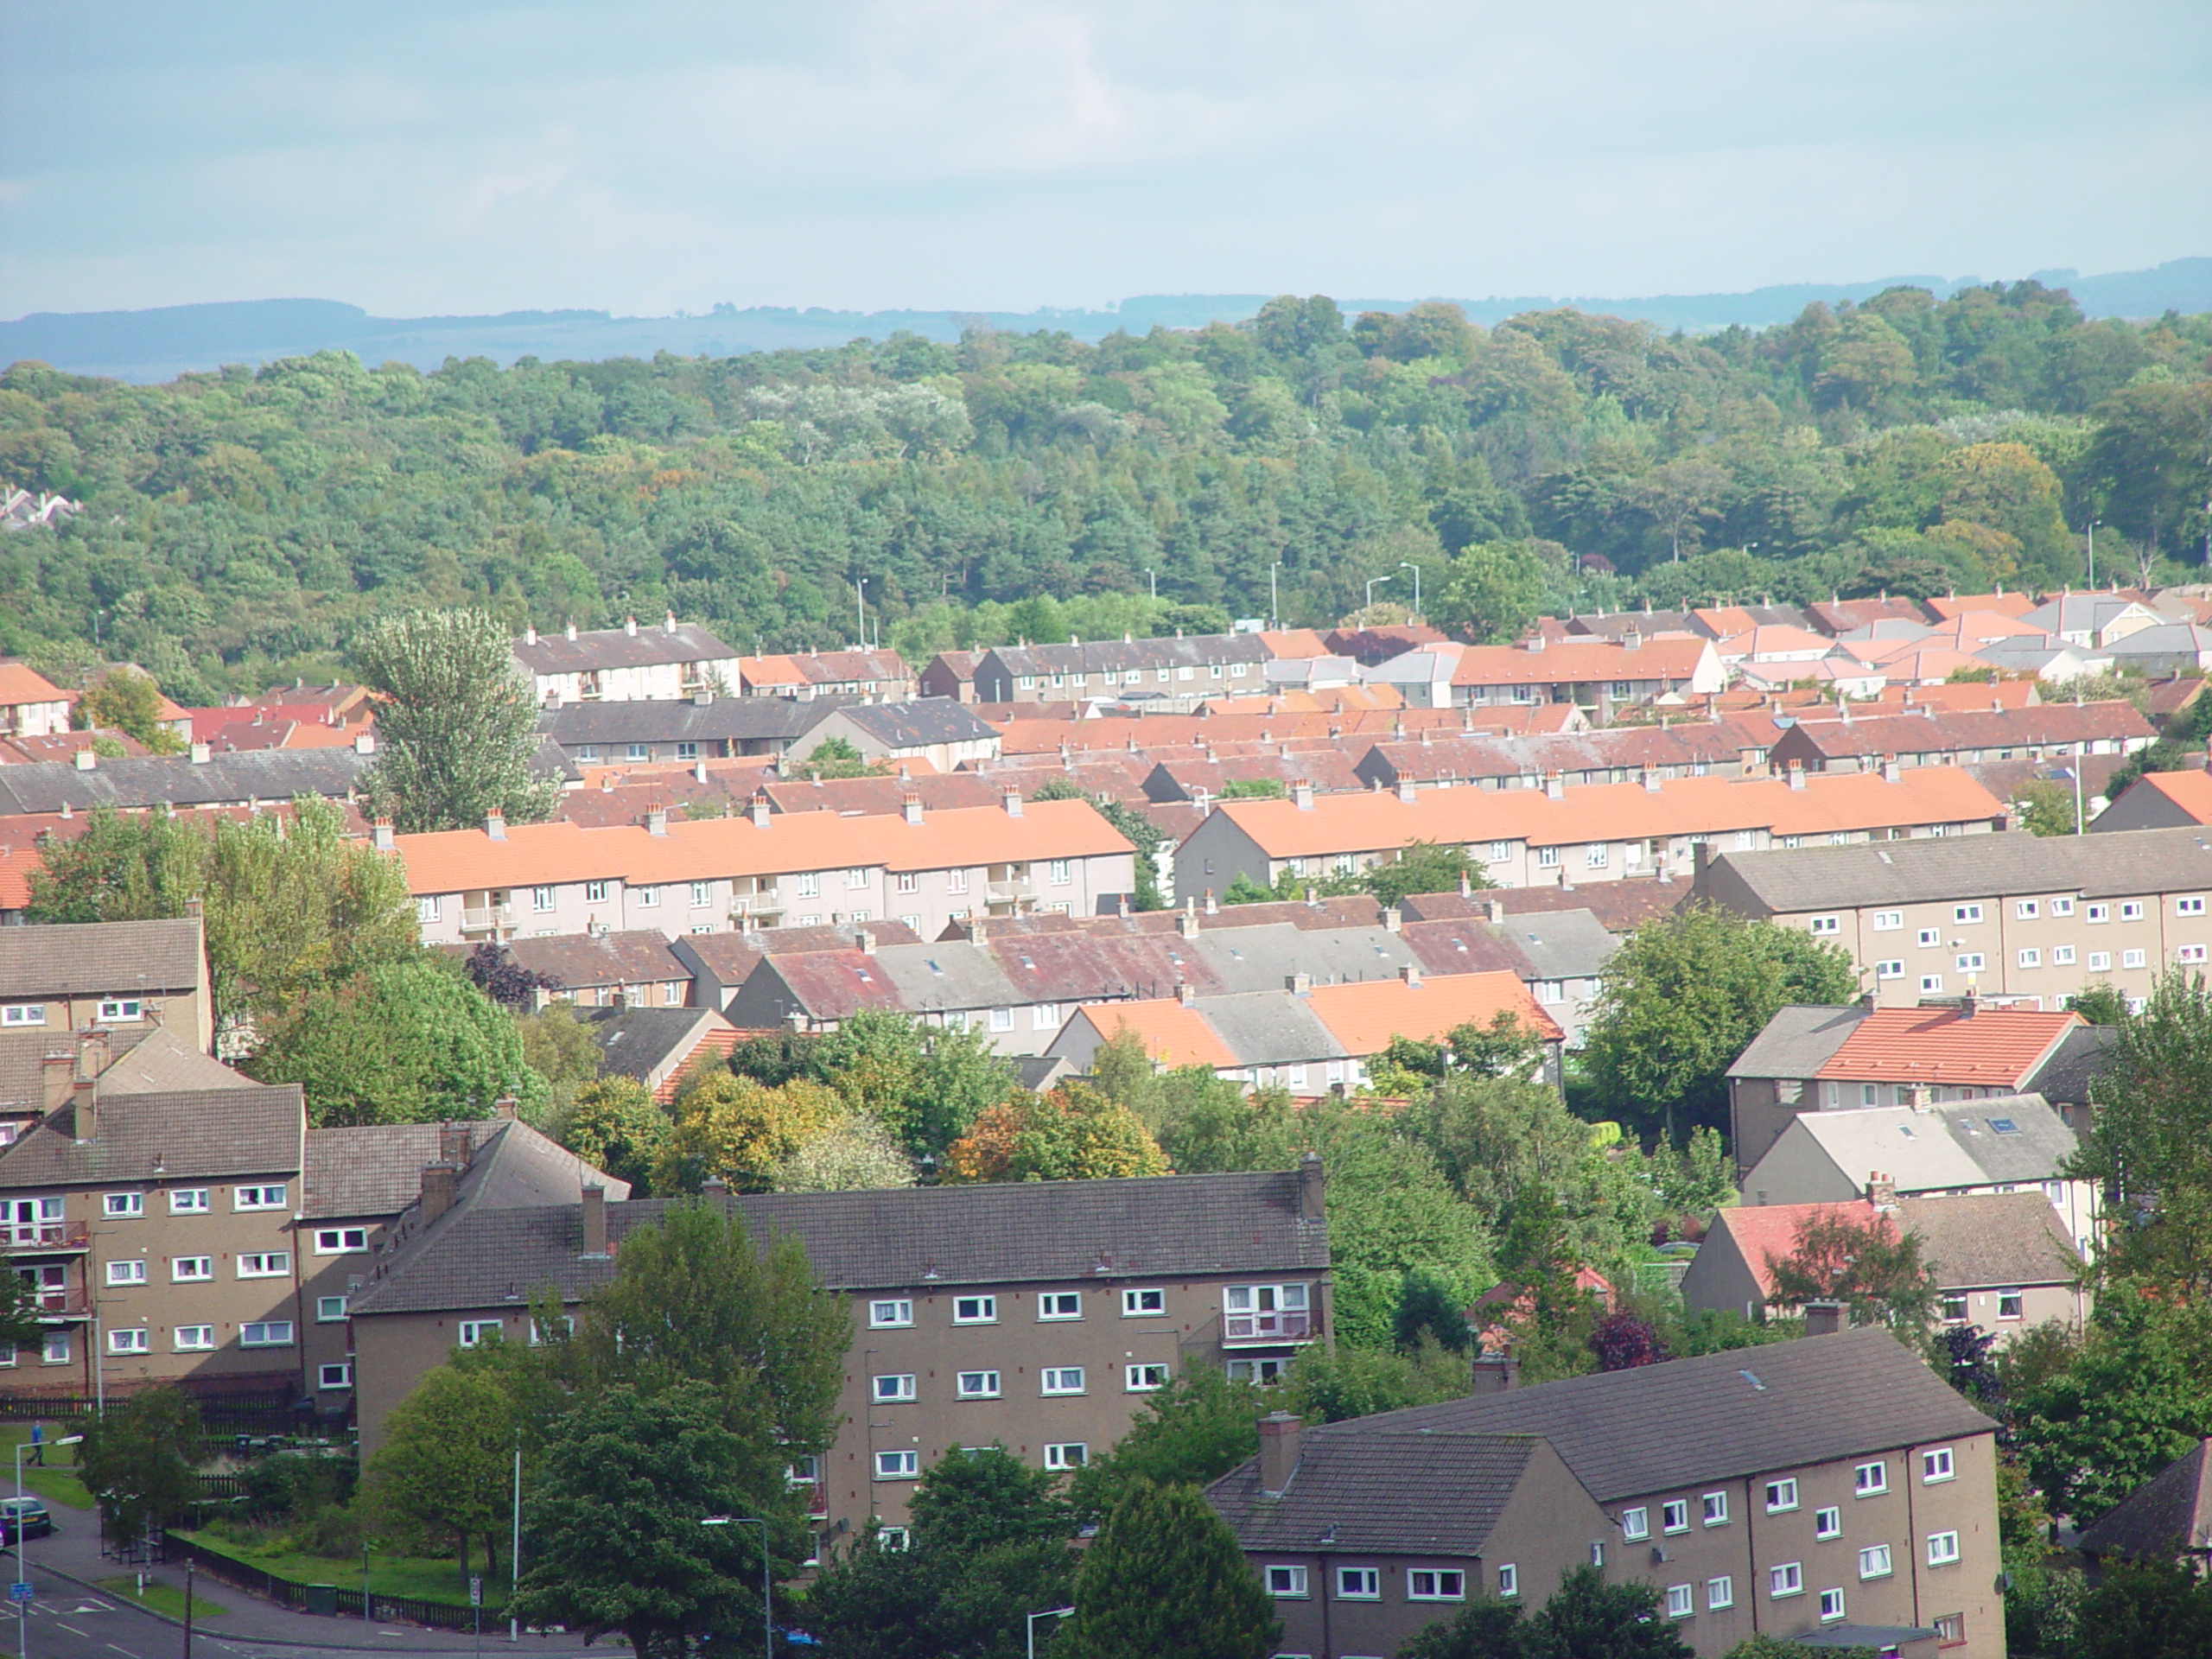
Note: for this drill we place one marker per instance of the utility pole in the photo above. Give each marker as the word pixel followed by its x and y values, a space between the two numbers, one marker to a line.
pixel 1407 564
pixel 2093 552
pixel 860 612
pixel 1275 610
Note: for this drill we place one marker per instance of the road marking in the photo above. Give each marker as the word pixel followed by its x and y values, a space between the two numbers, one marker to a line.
pixel 73 1631
pixel 125 1652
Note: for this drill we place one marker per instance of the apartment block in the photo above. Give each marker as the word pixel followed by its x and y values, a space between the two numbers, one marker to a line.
pixel 845 675
pixel 1555 836
pixel 1830 1489
pixel 1933 737
pixel 2016 916
pixel 1041 1316
pixel 124 978
pixel 703 727
pixel 1590 673
pixel 626 665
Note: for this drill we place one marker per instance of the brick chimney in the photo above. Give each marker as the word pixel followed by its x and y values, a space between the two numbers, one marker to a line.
pixel 495 824
pixel 655 819
pixel 1407 790
pixel 1554 787
pixel 440 1182
pixel 1185 992
pixel 630 626
pixel 1187 923
pixel 864 942
pixel 1494 1373
pixel 453 1144
pixel 1409 976
pixel 1493 911
pixel 1299 984
pixel 595 1209
pixel 365 742
pixel 202 754
pixel 760 811
pixel 85 1106
pixel 1302 795
pixel 1824 1319
pixel 1797 774
pixel 1213 905
pixel 1280 1433
pixel 1890 772
pixel 1394 920
pixel 1312 1188
pixel 1881 1191
pixel 87 760
pixel 910 805
pixel 1010 798
pixel 57 1076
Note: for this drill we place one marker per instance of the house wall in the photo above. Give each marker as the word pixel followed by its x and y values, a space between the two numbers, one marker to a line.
pixel 1719 1278
pixel 327 1272
pixel 645 683
pixel 187 1009
pixel 995 683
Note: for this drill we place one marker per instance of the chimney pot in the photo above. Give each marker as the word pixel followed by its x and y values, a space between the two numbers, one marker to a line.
pixel 1394 920
pixel 1797 774
pixel 1494 911
pixel 570 630
pixel 1010 798
pixel 1185 992
pixel 1554 787
pixel 630 626
pixel 655 819
pixel 87 760
pixel 1881 1191
pixel 1823 1319
pixel 1494 1373
pixel 85 1102
pixel 380 836
pixel 1410 976
pixel 864 942
pixel 910 804
pixel 202 752
pixel 365 743
pixel 595 1209
pixel 1213 905
pixel 1299 984
pixel 1301 794
pixel 495 824
pixel 760 810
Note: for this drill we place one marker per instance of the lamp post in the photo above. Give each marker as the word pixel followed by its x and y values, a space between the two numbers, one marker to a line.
pixel 2074 773
pixel 1367 609
pixel 2091 528
pixel 22 1608
pixel 1031 1632
pixel 1152 577
pixel 860 611
pixel 1407 564
pixel 1274 609
pixel 767 1589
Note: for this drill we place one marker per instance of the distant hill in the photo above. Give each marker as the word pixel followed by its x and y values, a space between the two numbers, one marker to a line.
pixel 158 344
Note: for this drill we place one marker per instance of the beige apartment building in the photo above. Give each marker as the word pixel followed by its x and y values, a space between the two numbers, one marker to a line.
pixel 626 665
pixel 2027 918
pixel 124 978
pixel 1038 1315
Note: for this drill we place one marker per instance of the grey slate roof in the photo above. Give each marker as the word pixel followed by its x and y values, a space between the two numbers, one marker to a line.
pixel 1399 1492
pixel 1270 1028
pixel 1096 656
pixel 1798 1041
pixel 635 1042
pixel 1987 1240
pixel 164 1062
pixel 1816 1400
pixel 1261 958
pixel 1944 868
pixel 631 958
pixel 921 1238
pixel 917 724
pixel 2084 1055
pixel 556 653
pixel 376 1170
pixel 210 1133
pixel 89 958
pixel 268 775
pixel 748 720
pixel 2169 1515
pixel 1951 1144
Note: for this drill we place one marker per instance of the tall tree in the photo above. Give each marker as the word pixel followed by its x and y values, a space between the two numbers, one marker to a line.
pixel 125 699
pixel 1870 1266
pixel 1165 1579
pixel 1072 1133
pixel 137 1460
pixel 458 726
pixel 145 866
pixel 444 1471
pixel 1196 1429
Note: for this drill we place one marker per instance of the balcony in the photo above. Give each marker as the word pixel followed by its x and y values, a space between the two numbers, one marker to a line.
pixel 61 1306
pixel 484 918
pixel 46 1237
pixel 1293 1325
pixel 1008 893
pixel 764 908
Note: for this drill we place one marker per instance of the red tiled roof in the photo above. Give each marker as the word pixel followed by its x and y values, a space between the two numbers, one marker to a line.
pixel 2191 791
pixel 1364 1015
pixel 15 870
pixel 1172 1033
pixel 1953 605
pixel 1662 657
pixel 21 684
pixel 1761 1230
pixel 1995 1048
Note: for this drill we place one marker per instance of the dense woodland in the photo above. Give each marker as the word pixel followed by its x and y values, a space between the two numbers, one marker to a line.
pixel 240 526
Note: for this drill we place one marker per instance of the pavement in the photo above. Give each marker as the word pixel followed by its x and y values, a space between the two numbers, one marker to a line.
pixel 69 1618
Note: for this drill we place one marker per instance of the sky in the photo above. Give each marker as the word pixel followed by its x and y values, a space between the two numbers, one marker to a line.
pixel 658 155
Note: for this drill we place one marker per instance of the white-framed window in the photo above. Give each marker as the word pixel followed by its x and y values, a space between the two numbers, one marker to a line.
pixel 265 1264
pixel 1062 1379
pixel 897 1465
pixel 884 1314
pixel 2061 906
pixel 1265 1370
pixel 1942 1548
pixel 427 906
pixel 909 880
pixel 1928 938
pixel 892 1539
pixel 266 1333
pixel 130 1339
pixel 1067 1455
pixel 1636 1523
pixel 1287 1582
pixel 1144 1378
pixel 541 899
pixel 1824 927
pixel 338 1375
pixel 857 878
pixel 1869 1478
pixel 807 884
pixel 191 1269
pixel 1259 1312
pixel 647 897
pixel 1874 1562
pixel 123 1206
pixel 257 1197
pixel 1930 984
pixel 1966 914
pixel 1548 858
pixel 23 1014
pixel 1780 1495
pixel 2011 1305
pixel 1359 1583
pixel 1058 872
pixel 1059 1305
pixel 1675 1515
pixel 116 1010
pixel 2027 910
pixel 1831 1605
pixel 1887 921
pixel 1935 1465
pixel 2190 907
pixel 329 1310
pixel 2062 955
pixel 54 1349
pixel 1500 851
pixel 1968 962
pixel 1681 1600
pixel 895 1386
pixel 1143 1303
pixel 1828 1523
pixel 956 881
pixel 2131 958
pixel 2100 962
pixel 1870 1094
pixel 1889 969
pixel 2130 910
pixel 1715 1506
pixel 1435 1584
pixel 475 1332
pixel 1720 1593
pixel 1002 1019
pixel 1044 1016
pixel 2097 915
pixel 594 892
pixel 2030 958
pixel 2189 953
pixel 975 1385
pixel 703 895
pixel 341 1241
pixel 130 1270
pixel 1596 855
pixel 1788 1580
pixel 1953 1304
pixel 1509 1580
pixel 637 752
pixel 974 1310
pixel 193 1338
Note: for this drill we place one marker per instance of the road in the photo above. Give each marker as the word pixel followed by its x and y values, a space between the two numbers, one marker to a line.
pixel 69 1622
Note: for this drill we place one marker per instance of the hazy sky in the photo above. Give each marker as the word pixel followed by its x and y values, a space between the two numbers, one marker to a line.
pixel 462 157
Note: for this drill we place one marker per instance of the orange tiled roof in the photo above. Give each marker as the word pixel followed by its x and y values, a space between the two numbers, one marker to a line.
pixel 1666 656
pixel 1996 1048
pixel 15 870
pixel 21 684
pixel 1952 604
pixel 1172 1034
pixel 2189 791
pixel 1366 1014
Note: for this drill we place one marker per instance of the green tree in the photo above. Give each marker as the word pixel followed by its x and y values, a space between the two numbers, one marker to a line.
pixel 1484 1628
pixel 1198 1429
pixel 146 867
pixel 2101 1005
pixel 137 1460
pixel 1587 1618
pixel 1683 997
pixel 1495 591
pixel 2047 808
pixel 615 1123
pixel 1329 1387
pixel 1872 1267
pixel 561 1049
pixel 1423 867
pixel 458 725
pixel 2147 1610
pixel 444 1472
pixel 126 700
pixel 925 1085
pixel 1244 890
pixel 1072 1133
pixel 852 1153
pixel 613 1540
pixel 1165 1579
pixel 407 1042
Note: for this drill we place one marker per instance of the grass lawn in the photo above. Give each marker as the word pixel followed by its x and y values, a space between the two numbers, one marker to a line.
pixel 161 1598
pixel 425 1578
pixel 56 1483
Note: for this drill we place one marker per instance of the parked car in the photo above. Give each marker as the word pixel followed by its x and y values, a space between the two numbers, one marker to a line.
pixel 29 1513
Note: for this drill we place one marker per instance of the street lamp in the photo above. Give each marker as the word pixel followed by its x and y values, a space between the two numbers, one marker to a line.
pixel 1152 577
pixel 1275 610
pixel 22 1608
pixel 1367 609
pixel 860 610
pixel 1407 564
pixel 2091 527
pixel 2074 771
pixel 1050 1612
pixel 767 1587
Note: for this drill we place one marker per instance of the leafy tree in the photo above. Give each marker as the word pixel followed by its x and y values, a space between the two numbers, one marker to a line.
pixel 2101 1005
pixel 835 757
pixel 1495 591
pixel 1245 890
pixel 1196 1429
pixel 736 1130
pixel 613 1539
pixel 444 1471
pixel 494 971
pixel 1484 1628
pixel 850 1154
pixel 1760 1646
pixel 1965 1358
pixel 1329 1387
pixel 1423 867
pixel 560 1048
pixel 1622 1341
pixel 138 1458
pixel 146 867
pixel 615 1123
pixel 1872 1267
pixel 127 700
pixel 2046 808
pixel 1165 1579
pixel 409 1042
pixel 1427 1310
pixel 1684 996
pixel 458 725
pixel 2150 1610
pixel 1587 1618
pixel 1072 1133
pixel 1253 789
pixel 927 1084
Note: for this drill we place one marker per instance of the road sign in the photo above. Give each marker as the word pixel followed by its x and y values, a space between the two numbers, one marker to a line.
pixel 20 1590
pixel 475 1591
